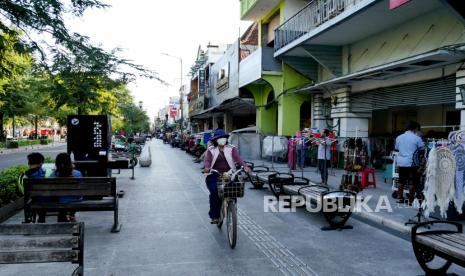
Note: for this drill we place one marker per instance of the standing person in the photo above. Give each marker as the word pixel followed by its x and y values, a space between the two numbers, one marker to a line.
pixel 324 155
pixel 35 161
pixel 65 168
pixel 222 157
pixel 406 145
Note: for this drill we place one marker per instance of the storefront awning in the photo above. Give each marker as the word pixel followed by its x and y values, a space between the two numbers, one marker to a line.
pixel 434 59
pixel 237 106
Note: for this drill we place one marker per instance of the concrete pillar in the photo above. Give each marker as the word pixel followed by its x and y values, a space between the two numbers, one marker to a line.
pixel 228 122
pixel 289 113
pixel 215 122
pixel 266 117
pixel 460 81
pixel 205 125
pixel 348 124
pixel 319 121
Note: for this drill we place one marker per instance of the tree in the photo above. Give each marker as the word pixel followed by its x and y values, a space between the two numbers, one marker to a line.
pixel 14 93
pixel 46 17
pixel 135 119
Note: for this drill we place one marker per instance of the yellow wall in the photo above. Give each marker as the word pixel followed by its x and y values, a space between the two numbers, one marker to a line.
pixel 426 33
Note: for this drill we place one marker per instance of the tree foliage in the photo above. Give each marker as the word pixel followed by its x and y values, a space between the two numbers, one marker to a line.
pixel 64 73
pixel 135 120
pixel 45 17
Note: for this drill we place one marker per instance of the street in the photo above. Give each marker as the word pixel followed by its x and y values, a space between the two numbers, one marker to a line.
pixel 166 231
pixel 20 157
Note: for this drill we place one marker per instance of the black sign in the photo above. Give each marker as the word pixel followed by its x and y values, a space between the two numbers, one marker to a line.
pixel 202 81
pixel 89 136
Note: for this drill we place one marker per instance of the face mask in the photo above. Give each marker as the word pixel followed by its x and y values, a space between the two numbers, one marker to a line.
pixel 222 141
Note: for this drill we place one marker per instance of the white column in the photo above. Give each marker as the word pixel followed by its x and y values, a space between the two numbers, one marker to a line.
pixel 350 124
pixel 460 81
pixel 215 122
pixel 228 122
pixel 319 121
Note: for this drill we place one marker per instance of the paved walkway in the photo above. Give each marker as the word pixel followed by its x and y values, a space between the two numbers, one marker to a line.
pixel 166 231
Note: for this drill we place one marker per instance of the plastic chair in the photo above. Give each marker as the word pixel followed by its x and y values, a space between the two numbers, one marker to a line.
pixel 366 178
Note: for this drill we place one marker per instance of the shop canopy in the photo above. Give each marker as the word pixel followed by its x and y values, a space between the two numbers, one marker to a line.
pixel 237 106
pixel 430 60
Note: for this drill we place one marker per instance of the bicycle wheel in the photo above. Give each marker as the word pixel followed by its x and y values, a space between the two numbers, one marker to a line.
pixel 231 222
pixel 220 223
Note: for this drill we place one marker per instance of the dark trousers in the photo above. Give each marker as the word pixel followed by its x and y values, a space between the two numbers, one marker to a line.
pixel 300 152
pixel 323 166
pixel 41 216
pixel 215 201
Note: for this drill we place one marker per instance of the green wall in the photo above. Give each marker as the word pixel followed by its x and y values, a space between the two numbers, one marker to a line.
pixel 289 102
pixel 266 117
pixel 428 32
pixel 283 117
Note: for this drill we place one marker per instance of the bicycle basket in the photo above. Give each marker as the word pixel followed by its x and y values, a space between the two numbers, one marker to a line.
pixel 231 190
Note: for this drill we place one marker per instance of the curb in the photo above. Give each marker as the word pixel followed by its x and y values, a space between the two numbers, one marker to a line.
pixel 11 209
pixel 36 147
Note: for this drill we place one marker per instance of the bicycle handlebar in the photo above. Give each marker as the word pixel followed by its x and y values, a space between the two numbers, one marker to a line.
pixel 233 174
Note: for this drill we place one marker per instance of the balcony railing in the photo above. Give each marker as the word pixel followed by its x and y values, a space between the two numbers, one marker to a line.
pixel 246 5
pixel 311 16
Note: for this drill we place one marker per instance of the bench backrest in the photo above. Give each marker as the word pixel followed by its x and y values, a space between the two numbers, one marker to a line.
pixel 70 186
pixel 40 243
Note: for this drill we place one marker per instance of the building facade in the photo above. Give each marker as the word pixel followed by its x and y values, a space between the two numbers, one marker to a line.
pixel 372 65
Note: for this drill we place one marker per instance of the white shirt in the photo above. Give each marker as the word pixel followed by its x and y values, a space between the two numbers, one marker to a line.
pixel 322 147
pixel 407 144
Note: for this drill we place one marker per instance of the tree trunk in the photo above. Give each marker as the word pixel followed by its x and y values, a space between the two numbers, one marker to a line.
pixel 2 132
pixel 14 130
pixel 36 126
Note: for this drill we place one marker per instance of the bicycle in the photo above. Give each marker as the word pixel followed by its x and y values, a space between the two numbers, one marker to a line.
pixel 230 187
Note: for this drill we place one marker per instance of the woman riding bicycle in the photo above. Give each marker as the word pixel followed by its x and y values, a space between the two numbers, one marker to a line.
pixel 221 157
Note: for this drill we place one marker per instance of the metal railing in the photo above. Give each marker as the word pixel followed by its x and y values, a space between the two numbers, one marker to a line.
pixel 311 16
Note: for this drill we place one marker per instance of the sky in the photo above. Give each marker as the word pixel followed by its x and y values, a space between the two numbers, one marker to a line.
pixel 145 29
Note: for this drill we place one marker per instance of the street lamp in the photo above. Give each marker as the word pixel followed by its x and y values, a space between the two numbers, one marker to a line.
pixel 140 104
pixel 181 100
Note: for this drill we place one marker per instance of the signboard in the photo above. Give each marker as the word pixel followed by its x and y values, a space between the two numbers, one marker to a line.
pixel 173 112
pixel 88 135
pixel 174 100
pixel 222 85
pixel 199 104
pixel 396 3
pixel 202 81
pixel 223 79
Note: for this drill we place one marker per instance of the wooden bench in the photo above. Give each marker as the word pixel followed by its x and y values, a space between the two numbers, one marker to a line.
pixel 259 176
pixel 43 243
pixel 99 194
pixel 448 244
pixel 122 161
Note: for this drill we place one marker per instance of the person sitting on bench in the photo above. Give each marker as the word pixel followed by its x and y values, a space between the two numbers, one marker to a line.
pixel 35 161
pixel 65 168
